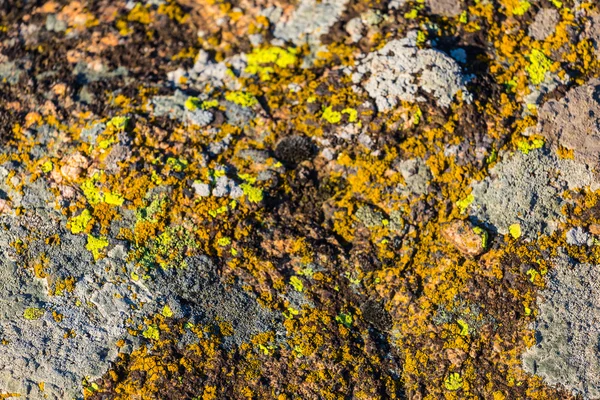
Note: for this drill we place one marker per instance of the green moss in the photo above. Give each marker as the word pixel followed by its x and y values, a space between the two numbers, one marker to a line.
pixel 344 319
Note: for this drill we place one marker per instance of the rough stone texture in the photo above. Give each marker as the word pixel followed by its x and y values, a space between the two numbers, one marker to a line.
pixel 564 123
pixel 416 174
pixel 544 23
pixel 567 329
pixel 578 237
pixel 400 70
pixel 467 238
pixel 445 8
pixel 526 189
pixel 310 20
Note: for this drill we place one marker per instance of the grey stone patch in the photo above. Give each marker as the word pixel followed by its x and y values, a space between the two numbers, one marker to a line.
pixel 567 330
pixel 37 350
pixel 256 39
pixel 578 237
pixel 238 115
pixel 215 148
pixel 544 23
pixel 225 186
pixel 10 72
pixel 592 32
pixel 203 298
pixel 355 28
pixel 574 122
pixel 201 189
pixel 90 134
pixel 400 69
pixel 527 189
pixel 119 152
pixel 416 174
pixel 445 8
pixel 55 25
pixel 174 108
pixel 309 21
pixel 206 72
pixel 370 217
pixel 85 74
pixel 396 4
pixel 169 106
pixel 551 82
pixel 199 117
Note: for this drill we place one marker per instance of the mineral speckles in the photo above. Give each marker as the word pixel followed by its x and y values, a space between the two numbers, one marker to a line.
pixel 567 329
pixel 519 190
pixel 445 8
pixel 544 23
pixel 574 122
pixel 310 20
pixel 400 71
pixel 466 237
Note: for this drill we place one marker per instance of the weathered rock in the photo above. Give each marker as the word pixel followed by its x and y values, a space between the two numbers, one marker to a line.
pixel 469 239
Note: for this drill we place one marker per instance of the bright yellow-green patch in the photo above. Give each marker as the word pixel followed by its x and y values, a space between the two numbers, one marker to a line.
pixel 465 203
pixel 482 233
pixel 118 123
pixel 525 146
pixel 192 103
pixel 167 312
pixel 453 381
pixel 79 223
pixel 352 114
pixel 47 166
pixel 261 61
pixel 33 313
pixel 253 194
pixel 333 117
pixel 464 327
pixel 95 245
pixel 515 231
pixel 296 283
pixel 242 98
pixel 114 199
pixel 151 332
pixel 539 64
pixel 224 241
